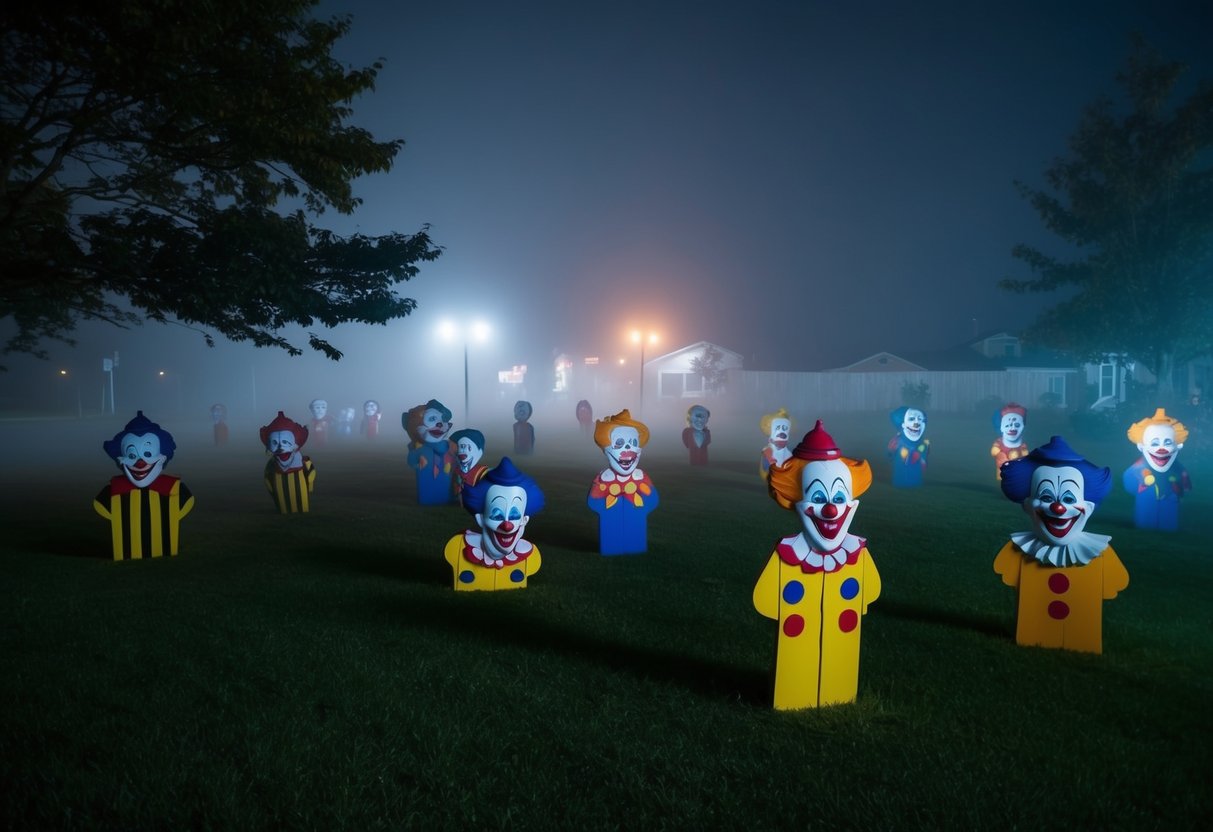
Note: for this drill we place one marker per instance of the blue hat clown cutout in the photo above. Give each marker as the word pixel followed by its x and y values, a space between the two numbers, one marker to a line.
pixel 1156 480
pixel 143 504
pixel 1061 572
pixel 622 495
pixel 290 477
pixel 909 448
pixel 431 454
pixel 494 555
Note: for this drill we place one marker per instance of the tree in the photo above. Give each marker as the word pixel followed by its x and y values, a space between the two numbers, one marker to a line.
pixel 708 367
pixel 1134 197
pixel 165 160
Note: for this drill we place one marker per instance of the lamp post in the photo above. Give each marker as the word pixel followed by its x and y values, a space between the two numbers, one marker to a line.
pixel 475 330
pixel 177 380
pixel 641 338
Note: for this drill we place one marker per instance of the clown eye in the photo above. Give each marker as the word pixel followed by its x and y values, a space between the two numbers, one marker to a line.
pixel 1046 495
pixel 515 514
pixel 496 514
pixel 618 443
pixel 818 497
pixel 1068 498
pixel 147 454
pixel 839 497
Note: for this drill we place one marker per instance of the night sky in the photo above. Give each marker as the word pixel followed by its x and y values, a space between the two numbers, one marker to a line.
pixel 804 183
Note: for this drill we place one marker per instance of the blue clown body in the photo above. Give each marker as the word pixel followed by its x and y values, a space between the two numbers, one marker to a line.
pixel 1156 496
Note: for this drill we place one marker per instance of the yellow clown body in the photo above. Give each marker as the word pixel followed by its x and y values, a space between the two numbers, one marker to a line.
pixel 144 521
pixel 291 490
pixel 475 569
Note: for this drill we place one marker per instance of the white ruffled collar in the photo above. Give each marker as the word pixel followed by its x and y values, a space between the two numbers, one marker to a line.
pixel 1081 550
pixel 610 475
pixel 825 561
pixel 473 549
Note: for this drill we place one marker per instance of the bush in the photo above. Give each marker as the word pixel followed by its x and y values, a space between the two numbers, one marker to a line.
pixel 916 395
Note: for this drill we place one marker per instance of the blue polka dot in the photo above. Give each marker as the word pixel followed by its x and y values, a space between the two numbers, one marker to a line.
pixel 517 576
pixel 793 591
pixel 466 576
pixel 849 589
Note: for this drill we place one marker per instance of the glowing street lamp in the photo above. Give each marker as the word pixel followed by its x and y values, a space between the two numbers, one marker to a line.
pixel 641 338
pixel 176 377
pixel 477 331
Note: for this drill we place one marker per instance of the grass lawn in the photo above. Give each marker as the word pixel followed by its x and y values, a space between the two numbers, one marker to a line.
pixel 318 672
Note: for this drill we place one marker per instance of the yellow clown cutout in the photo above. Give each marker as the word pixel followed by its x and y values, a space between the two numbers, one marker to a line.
pixel 290 477
pixel 495 556
pixel 819 583
pixel 778 429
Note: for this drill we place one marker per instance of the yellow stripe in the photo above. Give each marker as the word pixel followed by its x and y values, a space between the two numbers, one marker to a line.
pixel 136 526
pixel 157 541
pixel 303 490
pixel 116 524
pixel 174 517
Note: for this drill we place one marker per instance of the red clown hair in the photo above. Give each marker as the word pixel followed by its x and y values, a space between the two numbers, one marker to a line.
pixel 282 422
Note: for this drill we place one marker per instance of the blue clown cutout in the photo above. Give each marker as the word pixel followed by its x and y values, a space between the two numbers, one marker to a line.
pixel 1156 480
pixel 494 555
pixel 622 495
pixel 143 504
pixel 431 454
pixel 909 448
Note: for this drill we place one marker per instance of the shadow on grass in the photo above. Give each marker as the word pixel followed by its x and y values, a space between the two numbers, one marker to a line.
pixel 949 618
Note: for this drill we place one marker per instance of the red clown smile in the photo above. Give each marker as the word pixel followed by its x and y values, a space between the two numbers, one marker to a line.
pixel 505 535
pixel 1058 526
pixel 140 470
pixel 1161 458
pixel 829 527
pixel 627 459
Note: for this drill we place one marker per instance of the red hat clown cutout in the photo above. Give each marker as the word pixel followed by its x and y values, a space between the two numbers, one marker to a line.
pixel 777 427
pixel 1157 481
pixel 1010 421
pixel 909 448
pixel 819 582
pixel 695 436
pixel 290 477
pixel 143 504
pixel 622 495
pixel 495 555
pixel 1062 573
pixel 370 419
pixel 431 455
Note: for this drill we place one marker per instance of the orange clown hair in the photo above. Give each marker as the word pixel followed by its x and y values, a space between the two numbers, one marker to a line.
pixel 783 481
pixel 1137 430
pixel 602 428
pixel 765 422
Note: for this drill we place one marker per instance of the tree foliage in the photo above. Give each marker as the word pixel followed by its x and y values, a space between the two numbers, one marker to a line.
pixel 166 160
pixel 1134 198
pixel 709 366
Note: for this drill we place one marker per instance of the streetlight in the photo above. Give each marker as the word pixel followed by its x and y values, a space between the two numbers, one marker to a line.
pixel 63 374
pixel 640 338
pixel 475 330
pixel 177 380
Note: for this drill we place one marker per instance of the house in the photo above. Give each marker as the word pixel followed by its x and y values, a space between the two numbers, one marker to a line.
pixel 673 376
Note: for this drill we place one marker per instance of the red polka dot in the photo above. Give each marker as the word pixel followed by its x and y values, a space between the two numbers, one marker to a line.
pixel 848 620
pixel 1058 610
pixel 1059 583
pixel 793 626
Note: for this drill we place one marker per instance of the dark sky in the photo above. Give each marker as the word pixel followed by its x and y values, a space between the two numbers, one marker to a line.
pixel 803 182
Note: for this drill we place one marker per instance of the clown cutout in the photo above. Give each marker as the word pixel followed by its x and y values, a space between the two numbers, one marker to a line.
pixel 322 422
pixel 431 454
pixel 1062 572
pixel 219 418
pixel 370 419
pixel 585 417
pixel 622 495
pixel 290 476
pixel 1009 421
pixel 1156 481
pixel 695 436
pixel 495 555
pixel 818 583
pixel 778 428
pixel 469 448
pixel 143 504
pixel 524 431
pixel 345 422
pixel 908 449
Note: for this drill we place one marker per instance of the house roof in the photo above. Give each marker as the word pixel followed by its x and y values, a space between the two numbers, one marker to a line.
pixel 698 347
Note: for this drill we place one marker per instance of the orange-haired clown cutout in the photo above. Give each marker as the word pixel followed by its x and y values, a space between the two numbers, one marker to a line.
pixel 818 584
pixel 622 495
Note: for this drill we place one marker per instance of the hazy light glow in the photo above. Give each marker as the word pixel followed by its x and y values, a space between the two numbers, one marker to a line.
pixel 477 331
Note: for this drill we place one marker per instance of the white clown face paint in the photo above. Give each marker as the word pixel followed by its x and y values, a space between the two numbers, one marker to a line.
pixel 1159 447
pixel 1056 504
pixel 141 459
pixel 828 508
pixel 623 454
pixel 913 424
pixel 503 520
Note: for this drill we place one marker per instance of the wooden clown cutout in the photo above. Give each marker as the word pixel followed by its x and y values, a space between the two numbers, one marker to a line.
pixel 322 422
pixel 622 495
pixel 345 422
pixel 219 417
pixel 1009 421
pixel 585 417
pixel 431 454
pixel 494 555
pixel 818 583
pixel 695 436
pixel 1062 572
pixel 290 476
pixel 1156 481
pixel 143 504
pixel 370 419
pixel 908 449
pixel 469 448
pixel 778 428
pixel 524 431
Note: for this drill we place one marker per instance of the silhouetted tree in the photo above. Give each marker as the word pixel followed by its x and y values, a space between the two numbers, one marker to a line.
pixel 1134 196
pixel 708 367
pixel 148 147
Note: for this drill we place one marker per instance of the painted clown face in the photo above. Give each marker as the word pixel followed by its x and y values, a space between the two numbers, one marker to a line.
pixel 433 428
pixel 913 424
pixel 319 408
pixel 469 454
pixel 1011 427
pixel 623 454
pixel 282 445
pixel 503 519
pixel 370 408
pixel 1159 447
pixel 141 459
pixel 1056 504
pixel 699 418
pixel 522 411
pixel 780 430
pixel 827 509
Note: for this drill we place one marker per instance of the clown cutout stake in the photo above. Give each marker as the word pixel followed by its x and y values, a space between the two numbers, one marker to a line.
pixel 143 504
pixel 524 431
pixel 322 422
pixel 370 419
pixel 430 453
pixel 1156 481
pixel 695 436
pixel 818 584
pixel 495 556
pixel 469 448
pixel 908 449
pixel 778 428
pixel 1009 421
pixel 1062 572
pixel 289 475
pixel 622 495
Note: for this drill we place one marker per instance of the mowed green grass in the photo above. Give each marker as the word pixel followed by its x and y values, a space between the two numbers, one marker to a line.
pixel 319 672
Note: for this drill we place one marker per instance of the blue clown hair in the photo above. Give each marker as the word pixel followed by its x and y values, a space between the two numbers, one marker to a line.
pixel 504 474
pixel 1017 474
pixel 140 426
pixel 434 404
pixel 469 433
pixel 899 415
